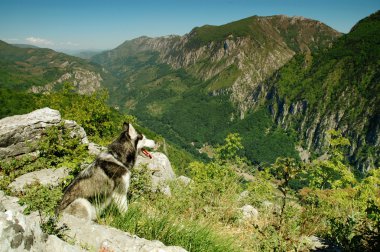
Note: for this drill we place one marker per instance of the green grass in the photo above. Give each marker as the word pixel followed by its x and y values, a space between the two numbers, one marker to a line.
pixel 172 231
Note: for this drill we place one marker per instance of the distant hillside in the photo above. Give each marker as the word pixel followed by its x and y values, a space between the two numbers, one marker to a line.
pixel 24 71
pixel 196 88
pixel 41 70
pixel 25 46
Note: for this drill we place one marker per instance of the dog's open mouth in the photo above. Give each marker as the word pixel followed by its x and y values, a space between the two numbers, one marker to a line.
pixel 146 153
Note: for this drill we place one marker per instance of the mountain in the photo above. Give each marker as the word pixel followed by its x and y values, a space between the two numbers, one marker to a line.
pixel 335 89
pixel 83 54
pixel 194 89
pixel 41 70
pixel 25 46
pixel 237 55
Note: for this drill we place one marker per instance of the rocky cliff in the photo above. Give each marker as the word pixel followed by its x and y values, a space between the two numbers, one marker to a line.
pixel 335 89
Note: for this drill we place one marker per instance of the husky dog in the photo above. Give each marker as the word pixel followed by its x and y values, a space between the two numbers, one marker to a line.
pixel 107 178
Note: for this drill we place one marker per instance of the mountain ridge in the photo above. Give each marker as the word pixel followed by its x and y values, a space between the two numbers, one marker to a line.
pixel 256 55
pixel 161 78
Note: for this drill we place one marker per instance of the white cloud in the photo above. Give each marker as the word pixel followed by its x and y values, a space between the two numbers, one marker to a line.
pixel 39 41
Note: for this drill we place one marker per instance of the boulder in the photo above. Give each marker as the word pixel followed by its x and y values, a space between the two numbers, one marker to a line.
pixel 44 177
pixel 243 195
pixel 9 203
pixel 102 238
pixel 76 131
pixel 95 149
pixel 19 232
pixel 184 180
pixel 19 134
pixel 161 170
pixel 249 212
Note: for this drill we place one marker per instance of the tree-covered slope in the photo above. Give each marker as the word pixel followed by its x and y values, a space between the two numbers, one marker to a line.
pixel 40 70
pixel 337 88
pixel 196 88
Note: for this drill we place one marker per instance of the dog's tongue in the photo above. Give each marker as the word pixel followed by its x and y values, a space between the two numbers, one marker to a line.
pixel 146 153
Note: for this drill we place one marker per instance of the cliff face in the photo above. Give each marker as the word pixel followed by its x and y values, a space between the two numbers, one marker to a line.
pixel 335 89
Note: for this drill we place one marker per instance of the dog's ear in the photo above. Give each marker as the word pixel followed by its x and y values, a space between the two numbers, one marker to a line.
pixel 130 131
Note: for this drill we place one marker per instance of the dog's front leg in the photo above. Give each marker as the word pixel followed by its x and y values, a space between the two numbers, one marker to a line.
pixel 121 202
pixel 119 195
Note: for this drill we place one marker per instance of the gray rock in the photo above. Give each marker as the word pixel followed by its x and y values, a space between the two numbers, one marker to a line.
pixel 267 204
pixel 315 243
pixel 55 244
pixel 44 177
pixel 10 203
pixel 20 232
pixel 184 180
pixel 95 149
pixel 19 133
pixel 243 195
pixel 76 131
pixel 161 171
pixel 101 238
pixel 249 212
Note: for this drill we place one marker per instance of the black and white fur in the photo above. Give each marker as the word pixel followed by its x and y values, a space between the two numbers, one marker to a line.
pixel 107 178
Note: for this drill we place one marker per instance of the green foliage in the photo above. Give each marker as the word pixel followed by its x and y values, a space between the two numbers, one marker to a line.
pixel 358 232
pixel 14 102
pixel 43 199
pixel 369 187
pixel 332 172
pixel 61 148
pixel 167 229
pixel 100 121
pixel 140 183
pixel 229 151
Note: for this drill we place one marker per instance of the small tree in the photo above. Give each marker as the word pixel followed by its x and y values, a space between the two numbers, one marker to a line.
pixel 284 170
pixel 332 172
pixel 230 150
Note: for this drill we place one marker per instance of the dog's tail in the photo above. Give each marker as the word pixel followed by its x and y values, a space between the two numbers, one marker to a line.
pixel 71 192
pixel 68 197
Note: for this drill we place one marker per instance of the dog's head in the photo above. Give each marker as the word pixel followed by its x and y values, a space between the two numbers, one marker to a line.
pixel 139 140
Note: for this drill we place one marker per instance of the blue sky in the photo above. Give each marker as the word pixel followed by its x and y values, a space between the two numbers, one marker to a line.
pixel 104 24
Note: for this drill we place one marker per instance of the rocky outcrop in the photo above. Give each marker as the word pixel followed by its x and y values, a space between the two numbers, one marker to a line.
pixel 46 177
pixel 19 232
pixel 160 169
pixel 20 134
pixel 249 213
pixel 85 82
pixel 101 238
